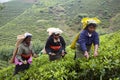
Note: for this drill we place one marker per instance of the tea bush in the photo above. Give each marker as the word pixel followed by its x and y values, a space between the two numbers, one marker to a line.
pixel 104 67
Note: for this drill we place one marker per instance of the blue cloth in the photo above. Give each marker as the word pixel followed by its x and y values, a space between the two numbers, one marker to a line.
pixel 84 39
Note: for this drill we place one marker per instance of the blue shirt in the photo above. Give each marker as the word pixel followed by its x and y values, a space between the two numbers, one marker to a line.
pixel 85 39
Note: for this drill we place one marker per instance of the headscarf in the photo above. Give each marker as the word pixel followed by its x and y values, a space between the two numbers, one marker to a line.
pixel 87 21
pixel 54 30
pixel 20 38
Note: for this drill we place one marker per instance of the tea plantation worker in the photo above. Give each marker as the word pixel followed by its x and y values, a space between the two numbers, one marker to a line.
pixel 22 56
pixel 87 37
pixel 55 45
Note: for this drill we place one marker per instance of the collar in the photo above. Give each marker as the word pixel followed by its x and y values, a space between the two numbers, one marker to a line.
pixel 89 34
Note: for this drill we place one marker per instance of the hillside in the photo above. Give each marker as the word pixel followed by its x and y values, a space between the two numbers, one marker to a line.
pixel 35 16
pixel 12 9
pixel 104 67
pixel 1 6
pixel 65 14
pixel 34 20
pixel 105 10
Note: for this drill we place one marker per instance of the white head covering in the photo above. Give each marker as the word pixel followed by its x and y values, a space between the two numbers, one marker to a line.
pixel 27 34
pixel 23 36
pixel 54 30
pixel 50 30
pixel 20 38
pixel 92 21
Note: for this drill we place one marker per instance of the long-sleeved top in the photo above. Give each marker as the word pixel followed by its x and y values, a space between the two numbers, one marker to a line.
pixel 24 49
pixel 85 39
pixel 51 42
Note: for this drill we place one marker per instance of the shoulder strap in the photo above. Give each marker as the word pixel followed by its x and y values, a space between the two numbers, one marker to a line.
pixel 14 54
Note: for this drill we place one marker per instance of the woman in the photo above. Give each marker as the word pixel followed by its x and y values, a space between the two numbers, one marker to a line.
pixel 55 45
pixel 24 53
pixel 87 37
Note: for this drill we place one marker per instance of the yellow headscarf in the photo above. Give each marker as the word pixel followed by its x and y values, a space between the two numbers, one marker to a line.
pixel 86 21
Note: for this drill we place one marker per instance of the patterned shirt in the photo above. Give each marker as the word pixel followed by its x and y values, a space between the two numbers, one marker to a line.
pixel 24 49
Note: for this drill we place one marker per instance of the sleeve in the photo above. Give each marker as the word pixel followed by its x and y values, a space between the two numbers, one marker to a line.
pixel 63 43
pixel 96 39
pixel 47 46
pixel 82 41
pixel 20 51
pixel 31 47
pixel 33 52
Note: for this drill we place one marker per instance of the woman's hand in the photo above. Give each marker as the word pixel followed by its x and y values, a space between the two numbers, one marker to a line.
pixel 95 53
pixel 63 53
pixel 24 62
pixel 35 55
pixel 52 54
pixel 86 54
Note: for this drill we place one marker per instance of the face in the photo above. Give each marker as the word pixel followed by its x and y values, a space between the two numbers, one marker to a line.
pixel 56 36
pixel 28 40
pixel 91 29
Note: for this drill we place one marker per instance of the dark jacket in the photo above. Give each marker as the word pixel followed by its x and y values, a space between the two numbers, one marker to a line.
pixel 85 40
pixel 50 42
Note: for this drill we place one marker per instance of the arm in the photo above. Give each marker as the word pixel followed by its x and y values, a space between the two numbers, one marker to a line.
pixel 47 46
pixel 20 51
pixel 96 39
pixel 63 43
pixel 34 54
pixel 82 42
pixel 96 44
pixel 32 51
pixel 63 46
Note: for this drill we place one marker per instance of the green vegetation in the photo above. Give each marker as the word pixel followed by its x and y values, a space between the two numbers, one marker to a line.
pixel 115 20
pixel 7 51
pixel 105 10
pixel 104 67
pixel 65 14
pixel 36 17
pixel 11 10
pixel 3 64
pixel 1 6
pixel 33 20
